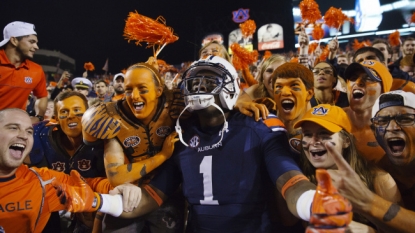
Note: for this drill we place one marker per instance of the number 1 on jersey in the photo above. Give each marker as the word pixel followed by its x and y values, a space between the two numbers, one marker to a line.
pixel 206 170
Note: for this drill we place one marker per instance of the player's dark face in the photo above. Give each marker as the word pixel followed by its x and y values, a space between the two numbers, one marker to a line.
pixel 69 115
pixel 16 136
pixel 141 93
pixel 397 138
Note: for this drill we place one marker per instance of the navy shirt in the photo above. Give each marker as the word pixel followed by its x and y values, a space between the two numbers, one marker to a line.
pixel 224 184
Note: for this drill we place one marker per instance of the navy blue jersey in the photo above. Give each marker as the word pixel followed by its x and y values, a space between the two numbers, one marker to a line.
pixel 224 184
pixel 48 152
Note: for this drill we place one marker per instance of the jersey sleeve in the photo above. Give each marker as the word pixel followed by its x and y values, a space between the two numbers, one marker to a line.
pixel 168 177
pixel 277 154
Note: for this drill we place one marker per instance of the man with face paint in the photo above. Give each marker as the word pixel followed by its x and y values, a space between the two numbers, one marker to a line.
pixel 226 160
pixel 133 130
pixel 58 145
pixel 393 125
pixel 394 129
pixel 401 80
pixel 365 82
pixel 293 89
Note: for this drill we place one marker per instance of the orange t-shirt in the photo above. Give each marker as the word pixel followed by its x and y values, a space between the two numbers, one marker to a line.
pixel 17 83
pixel 21 198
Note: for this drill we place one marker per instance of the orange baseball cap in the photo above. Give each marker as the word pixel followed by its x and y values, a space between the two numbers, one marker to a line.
pixel 331 117
pixel 376 70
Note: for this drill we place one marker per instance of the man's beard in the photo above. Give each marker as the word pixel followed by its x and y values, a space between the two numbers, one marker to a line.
pixel 119 90
pixel 21 54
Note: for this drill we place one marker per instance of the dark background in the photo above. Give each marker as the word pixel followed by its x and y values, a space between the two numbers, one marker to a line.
pixel 93 30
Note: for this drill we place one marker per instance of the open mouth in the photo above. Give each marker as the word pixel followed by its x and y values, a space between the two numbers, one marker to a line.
pixel 73 124
pixel 16 150
pixel 287 105
pixel 396 145
pixel 318 153
pixel 357 94
pixel 138 106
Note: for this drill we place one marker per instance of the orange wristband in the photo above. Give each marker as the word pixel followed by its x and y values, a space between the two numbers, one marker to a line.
pixel 291 182
pixel 153 194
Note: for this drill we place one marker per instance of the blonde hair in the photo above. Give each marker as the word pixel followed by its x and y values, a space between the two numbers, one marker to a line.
pixel 223 52
pixel 262 89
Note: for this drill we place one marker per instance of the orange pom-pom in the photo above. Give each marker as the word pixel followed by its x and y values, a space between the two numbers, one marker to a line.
pixel 312 47
pixel 143 29
pixel 241 57
pixel 334 18
pixel 294 60
pixel 248 28
pixel 324 53
pixel 89 66
pixel 162 66
pixel 357 45
pixel 123 71
pixel 318 32
pixel 310 12
pixel 395 38
pixel 267 54
pixel 412 20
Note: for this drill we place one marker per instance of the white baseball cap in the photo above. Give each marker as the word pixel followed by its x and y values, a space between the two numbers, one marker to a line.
pixel 402 98
pixel 119 75
pixel 15 29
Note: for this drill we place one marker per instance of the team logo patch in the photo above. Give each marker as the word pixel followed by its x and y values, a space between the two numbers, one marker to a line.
pixel 28 80
pixel 240 15
pixel 320 111
pixel 163 131
pixel 295 144
pixel 84 165
pixel 368 62
pixel 131 141
pixel 194 141
pixel 58 166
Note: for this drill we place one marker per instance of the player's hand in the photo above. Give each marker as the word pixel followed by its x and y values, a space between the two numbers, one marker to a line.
pixel 76 194
pixel 131 195
pixel 168 145
pixel 349 184
pixel 330 212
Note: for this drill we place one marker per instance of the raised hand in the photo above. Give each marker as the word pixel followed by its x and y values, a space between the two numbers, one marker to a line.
pixel 330 211
pixel 76 194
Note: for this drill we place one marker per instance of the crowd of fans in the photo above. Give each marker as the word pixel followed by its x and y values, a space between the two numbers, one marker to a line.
pixel 351 113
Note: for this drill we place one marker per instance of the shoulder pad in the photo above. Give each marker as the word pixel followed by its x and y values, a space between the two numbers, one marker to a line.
pixel 99 122
pixel 274 123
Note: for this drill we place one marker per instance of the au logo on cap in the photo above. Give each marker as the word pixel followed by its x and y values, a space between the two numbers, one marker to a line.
pixel 320 111
pixel 369 63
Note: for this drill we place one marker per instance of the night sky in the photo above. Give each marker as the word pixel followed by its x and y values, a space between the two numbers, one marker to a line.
pixel 93 30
